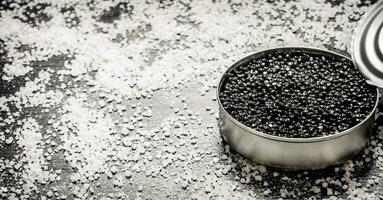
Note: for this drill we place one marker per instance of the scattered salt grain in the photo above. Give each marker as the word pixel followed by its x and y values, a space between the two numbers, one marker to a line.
pixel 9 140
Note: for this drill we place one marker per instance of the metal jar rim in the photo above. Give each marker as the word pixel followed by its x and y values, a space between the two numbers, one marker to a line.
pixel 287 139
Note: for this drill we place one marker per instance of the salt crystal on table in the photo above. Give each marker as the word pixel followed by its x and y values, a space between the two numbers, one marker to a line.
pixel 9 140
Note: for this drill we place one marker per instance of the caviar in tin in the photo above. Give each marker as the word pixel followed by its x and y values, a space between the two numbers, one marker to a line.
pixel 297 94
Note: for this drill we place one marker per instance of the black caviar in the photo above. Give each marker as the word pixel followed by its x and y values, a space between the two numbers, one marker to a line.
pixel 297 94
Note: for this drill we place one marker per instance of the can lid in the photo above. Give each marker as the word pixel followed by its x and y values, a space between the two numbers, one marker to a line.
pixel 367 45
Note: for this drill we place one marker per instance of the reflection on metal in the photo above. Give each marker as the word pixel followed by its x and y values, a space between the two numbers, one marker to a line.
pixel 367 45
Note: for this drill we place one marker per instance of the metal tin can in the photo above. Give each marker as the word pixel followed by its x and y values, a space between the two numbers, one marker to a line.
pixel 367 45
pixel 293 153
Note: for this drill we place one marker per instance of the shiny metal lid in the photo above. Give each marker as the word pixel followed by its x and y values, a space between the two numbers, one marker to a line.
pixel 367 45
